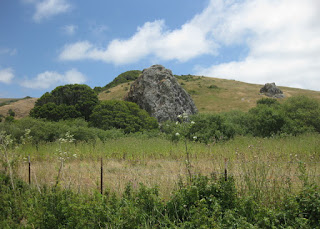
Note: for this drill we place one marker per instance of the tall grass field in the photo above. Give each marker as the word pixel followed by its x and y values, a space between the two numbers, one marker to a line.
pixel 146 180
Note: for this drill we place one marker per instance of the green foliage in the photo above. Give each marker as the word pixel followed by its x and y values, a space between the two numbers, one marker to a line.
pixel 11 113
pixel 9 119
pixel 124 77
pixel 268 101
pixel 213 87
pixel 204 128
pixel 208 202
pixel 303 114
pixel 213 127
pixel 54 112
pixel 121 115
pixel 64 102
pixel 239 121
pixel 296 115
pixel 45 131
pixel 266 120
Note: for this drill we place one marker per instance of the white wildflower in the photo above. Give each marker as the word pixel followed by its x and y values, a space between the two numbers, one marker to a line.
pixel 177 134
pixel 195 137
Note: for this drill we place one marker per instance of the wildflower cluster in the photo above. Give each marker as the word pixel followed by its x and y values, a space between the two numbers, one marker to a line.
pixel 183 128
pixel 63 154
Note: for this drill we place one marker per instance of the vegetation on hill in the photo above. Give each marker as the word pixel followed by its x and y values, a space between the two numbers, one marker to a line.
pixel 294 116
pixel 214 95
pixel 262 156
pixel 122 115
pixel 21 107
pixel 65 102
pixel 124 77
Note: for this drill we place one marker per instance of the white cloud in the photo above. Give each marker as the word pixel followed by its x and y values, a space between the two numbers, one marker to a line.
pixel 283 41
pixel 281 36
pixel 49 79
pixel 6 75
pixel 151 39
pixel 69 29
pixel 48 8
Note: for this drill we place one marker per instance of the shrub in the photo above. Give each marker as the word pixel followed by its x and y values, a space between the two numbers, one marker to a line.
pixel 121 115
pixel 303 114
pixel 124 77
pixel 69 101
pixel 268 101
pixel 266 120
pixel 211 127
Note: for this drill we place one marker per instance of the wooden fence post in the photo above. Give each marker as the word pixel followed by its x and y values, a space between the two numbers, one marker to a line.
pixel 101 176
pixel 225 169
pixel 29 162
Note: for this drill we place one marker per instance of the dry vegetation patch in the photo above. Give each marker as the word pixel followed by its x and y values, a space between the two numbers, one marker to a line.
pixel 21 107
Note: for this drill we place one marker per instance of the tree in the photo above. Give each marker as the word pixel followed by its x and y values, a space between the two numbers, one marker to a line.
pixel 121 115
pixel 303 114
pixel 64 102
pixel 266 120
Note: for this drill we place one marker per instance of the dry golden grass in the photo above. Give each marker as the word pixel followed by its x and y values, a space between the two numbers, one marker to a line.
pixel 21 108
pixel 84 175
pixel 269 165
pixel 229 94
pixel 115 93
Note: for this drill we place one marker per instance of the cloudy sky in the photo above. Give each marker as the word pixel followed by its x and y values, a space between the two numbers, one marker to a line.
pixel 46 43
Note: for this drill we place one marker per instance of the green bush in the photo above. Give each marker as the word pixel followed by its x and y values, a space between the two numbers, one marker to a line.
pixel 207 202
pixel 124 77
pixel 208 128
pixel 121 115
pixel 45 131
pixel 266 120
pixel 303 114
pixel 65 102
pixel 204 128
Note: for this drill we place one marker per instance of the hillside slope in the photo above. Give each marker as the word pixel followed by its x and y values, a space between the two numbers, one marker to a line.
pixel 216 95
pixel 210 95
pixel 21 107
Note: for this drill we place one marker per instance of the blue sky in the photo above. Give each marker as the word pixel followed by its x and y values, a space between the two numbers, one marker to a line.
pixel 46 43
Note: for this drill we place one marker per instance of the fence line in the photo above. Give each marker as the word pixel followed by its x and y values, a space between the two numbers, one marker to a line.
pixel 225 171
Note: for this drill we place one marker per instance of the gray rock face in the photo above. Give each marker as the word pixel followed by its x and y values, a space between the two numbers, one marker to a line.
pixel 159 93
pixel 271 90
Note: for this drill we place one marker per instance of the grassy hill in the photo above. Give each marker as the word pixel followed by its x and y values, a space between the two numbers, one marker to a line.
pixel 214 94
pixel 21 107
pixel 210 95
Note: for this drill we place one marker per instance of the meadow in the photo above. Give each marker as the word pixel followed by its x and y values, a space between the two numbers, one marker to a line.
pixel 270 183
pixel 253 167
pixel 265 167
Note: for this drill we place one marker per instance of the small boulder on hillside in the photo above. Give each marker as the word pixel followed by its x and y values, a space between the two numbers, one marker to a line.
pixel 271 90
pixel 158 92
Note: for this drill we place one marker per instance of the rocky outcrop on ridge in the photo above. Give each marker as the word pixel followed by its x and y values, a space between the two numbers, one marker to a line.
pixel 159 93
pixel 271 90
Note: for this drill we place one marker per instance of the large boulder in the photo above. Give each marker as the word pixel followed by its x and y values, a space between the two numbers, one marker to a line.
pixel 159 93
pixel 271 90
